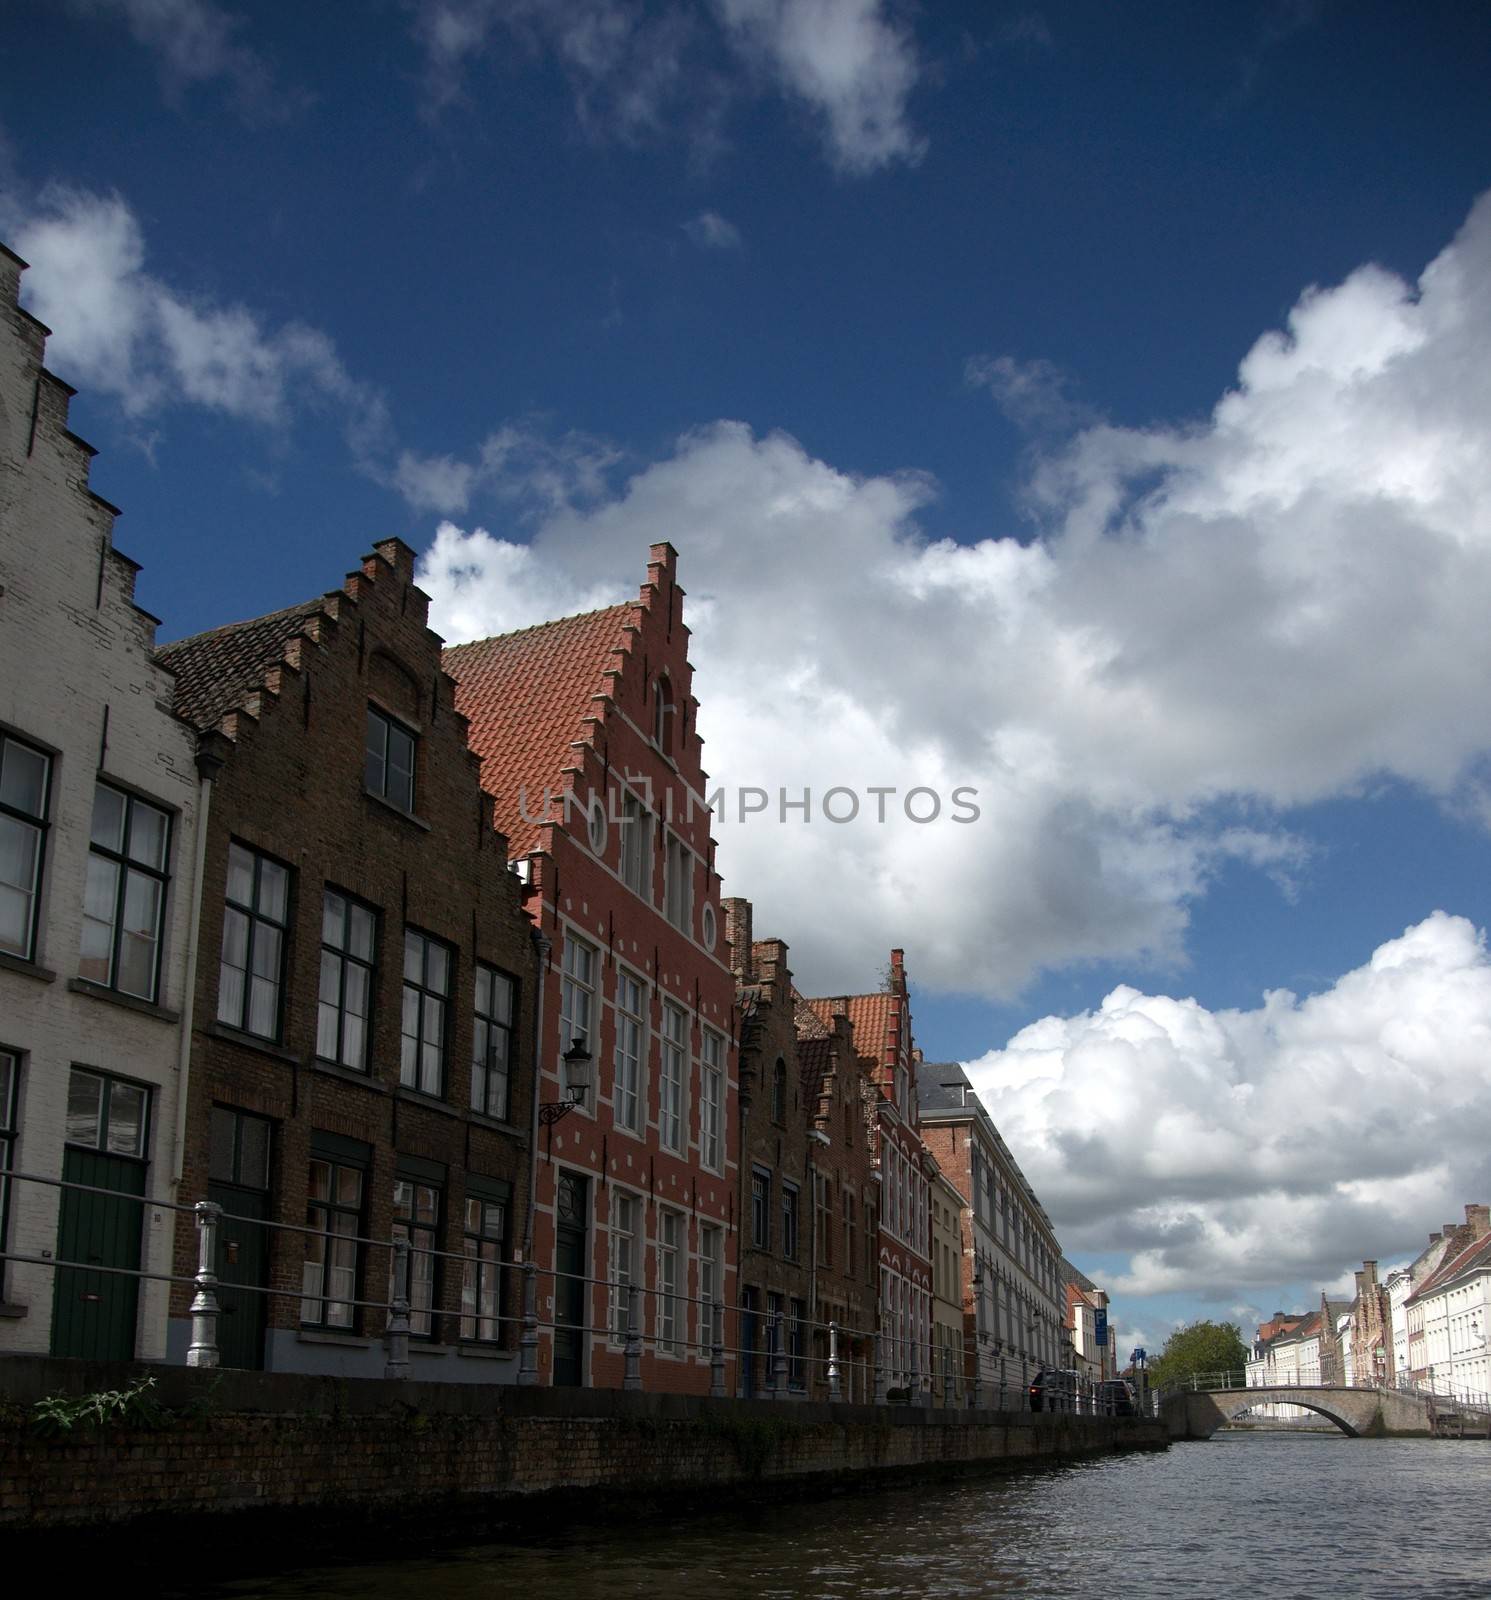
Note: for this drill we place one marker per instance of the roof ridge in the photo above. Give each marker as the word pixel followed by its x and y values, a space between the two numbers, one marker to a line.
pixel 303 608
pixel 538 627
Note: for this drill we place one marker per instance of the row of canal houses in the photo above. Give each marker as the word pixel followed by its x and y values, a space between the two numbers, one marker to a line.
pixel 362 940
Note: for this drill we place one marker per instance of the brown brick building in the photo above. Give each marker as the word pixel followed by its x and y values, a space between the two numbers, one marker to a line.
pixel 361 1050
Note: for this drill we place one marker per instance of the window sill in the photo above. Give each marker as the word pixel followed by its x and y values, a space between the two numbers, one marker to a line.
pixel 29 969
pixel 251 1041
pixel 486 1352
pixel 116 997
pixel 496 1124
pixel 12 1312
pixel 334 1069
pixel 398 811
pixel 351 1341
pixel 417 1097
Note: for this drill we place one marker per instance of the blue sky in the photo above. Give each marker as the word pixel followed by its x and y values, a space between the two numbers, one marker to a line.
pixel 1046 398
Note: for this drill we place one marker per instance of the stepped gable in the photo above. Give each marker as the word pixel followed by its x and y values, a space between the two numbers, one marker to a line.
pixel 529 699
pixel 872 1018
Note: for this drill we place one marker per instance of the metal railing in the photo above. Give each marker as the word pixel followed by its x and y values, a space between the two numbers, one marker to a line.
pixel 776 1352
pixel 1428 1388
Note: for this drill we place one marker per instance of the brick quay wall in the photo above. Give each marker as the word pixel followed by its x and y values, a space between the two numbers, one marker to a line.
pixel 245 1452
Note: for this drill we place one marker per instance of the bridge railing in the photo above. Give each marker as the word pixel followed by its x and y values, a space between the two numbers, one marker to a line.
pixel 1436 1387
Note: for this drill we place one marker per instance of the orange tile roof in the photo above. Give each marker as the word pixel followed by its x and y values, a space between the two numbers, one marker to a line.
pixel 525 695
pixel 870 1015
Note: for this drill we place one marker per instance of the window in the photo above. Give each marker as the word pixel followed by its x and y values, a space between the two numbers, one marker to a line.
pixel 595 825
pixel 670 1277
pixel 481 1279
pixel 390 760
pixel 848 1263
pixel 106 1114
pixel 789 1221
pixel 576 992
pixel 711 1100
pixel 707 928
pixel 238 1149
pixel 427 965
pixel 125 897
pixel 636 847
pixel 711 1278
pixel 679 885
pixel 662 715
pixel 671 1120
pixel 872 1230
pixel 626 1214
pixel 825 1219
pixel 346 1002
pixel 779 1092
pixel 251 973
pixel 631 1052
pixel 25 784
pixel 416 1217
pixel 10 1075
pixel 333 1249
pixel 760 1208
pixel 492 1041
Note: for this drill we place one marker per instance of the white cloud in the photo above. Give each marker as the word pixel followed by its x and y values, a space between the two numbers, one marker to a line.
pixel 196 42
pixel 710 231
pixel 636 71
pixel 1233 1150
pixel 120 330
pixel 848 61
pixel 1193 643
pixel 1032 394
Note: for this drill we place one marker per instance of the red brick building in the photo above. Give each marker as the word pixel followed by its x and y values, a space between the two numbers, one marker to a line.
pixel 882 1036
pixel 362 1017
pixel 588 737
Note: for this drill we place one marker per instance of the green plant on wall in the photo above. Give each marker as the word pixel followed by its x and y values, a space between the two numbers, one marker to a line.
pixel 134 1407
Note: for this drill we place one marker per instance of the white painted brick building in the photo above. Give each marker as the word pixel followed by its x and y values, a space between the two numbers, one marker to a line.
pixel 98 801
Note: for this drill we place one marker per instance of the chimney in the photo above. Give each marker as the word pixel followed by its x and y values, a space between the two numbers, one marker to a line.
pixel 1478 1220
pixel 738 932
pixel 1369 1273
pixel 1434 1238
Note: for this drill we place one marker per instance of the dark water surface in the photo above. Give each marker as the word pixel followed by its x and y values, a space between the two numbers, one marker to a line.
pixel 1272 1515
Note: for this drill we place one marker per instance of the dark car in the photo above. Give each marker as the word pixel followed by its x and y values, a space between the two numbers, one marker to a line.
pixel 1116 1399
pixel 1053 1390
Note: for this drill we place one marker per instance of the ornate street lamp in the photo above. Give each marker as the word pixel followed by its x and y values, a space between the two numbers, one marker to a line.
pixel 576 1084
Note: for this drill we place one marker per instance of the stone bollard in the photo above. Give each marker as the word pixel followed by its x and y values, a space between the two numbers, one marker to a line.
pixel 833 1359
pixel 880 1385
pixel 778 1360
pixel 717 1351
pixel 947 1380
pixel 397 1332
pixel 632 1356
pixel 528 1344
pixel 203 1350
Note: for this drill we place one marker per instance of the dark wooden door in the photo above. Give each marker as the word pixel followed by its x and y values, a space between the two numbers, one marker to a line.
pixel 242 1258
pixel 571 1292
pixel 94 1313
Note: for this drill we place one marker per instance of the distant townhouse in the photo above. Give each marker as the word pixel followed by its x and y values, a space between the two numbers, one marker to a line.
pixel 1094 1361
pixel 1265 1363
pixel 99 799
pixel 778 1206
pixel 588 735
pixel 883 1039
pixel 1012 1298
pixel 1451 1309
pixel 361 1039
pixel 949 1365
pixel 1371 1336
pixel 841 1098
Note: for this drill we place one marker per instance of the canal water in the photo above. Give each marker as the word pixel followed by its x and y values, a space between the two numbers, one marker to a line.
pixel 1281 1515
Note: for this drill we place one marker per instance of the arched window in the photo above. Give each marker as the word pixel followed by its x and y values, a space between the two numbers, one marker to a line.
pixel 662 715
pixel 779 1092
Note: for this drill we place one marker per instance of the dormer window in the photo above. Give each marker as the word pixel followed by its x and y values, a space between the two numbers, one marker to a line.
pixel 389 771
pixel 662 715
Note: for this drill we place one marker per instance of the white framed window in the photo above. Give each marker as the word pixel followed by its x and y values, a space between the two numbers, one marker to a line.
pixel 625 1228
pixel 679 885
pixel 125 897
pixel 577 993
pixel 25 793
pixel 389 769
pixel 707 927
pixel 671 1260
pixel 711 1101
pixel 636 847
pixel 628 1099
pixel 711 1278
pixel 672 1117
pixel 595 825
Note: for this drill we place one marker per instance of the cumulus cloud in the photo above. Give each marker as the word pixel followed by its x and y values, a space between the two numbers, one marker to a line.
pixel 637 71
pixel 1192 642
pixel 1233 1150
pixel 710 231
pixel 123 331
pixel 196 42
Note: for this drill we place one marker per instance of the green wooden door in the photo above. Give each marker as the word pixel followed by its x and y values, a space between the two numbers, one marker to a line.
pixel 93 1313
pixel 242 1258
pixel 571 1291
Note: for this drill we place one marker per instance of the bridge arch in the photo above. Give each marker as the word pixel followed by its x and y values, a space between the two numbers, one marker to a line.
pixel 1198 1413
pixel 1295 1399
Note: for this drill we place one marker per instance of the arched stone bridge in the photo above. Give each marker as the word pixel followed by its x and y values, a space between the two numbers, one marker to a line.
pixel 1198 1413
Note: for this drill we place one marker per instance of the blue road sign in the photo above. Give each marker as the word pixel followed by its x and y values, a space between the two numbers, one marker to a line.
pixel 1100 1322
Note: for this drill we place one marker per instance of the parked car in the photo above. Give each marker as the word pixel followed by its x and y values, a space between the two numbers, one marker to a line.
pixel 1116 1399
pixel 1053 1389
